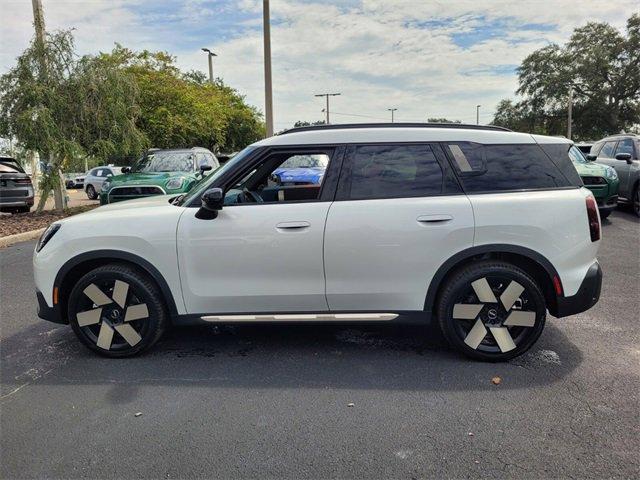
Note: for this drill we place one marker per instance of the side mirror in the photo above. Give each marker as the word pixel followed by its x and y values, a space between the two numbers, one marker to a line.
pixel 126 169
pixel 212 201
pixel 205 168
pixel 591 157
pixel 624 156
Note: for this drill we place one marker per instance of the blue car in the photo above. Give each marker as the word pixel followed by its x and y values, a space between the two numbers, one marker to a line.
pixel 298 175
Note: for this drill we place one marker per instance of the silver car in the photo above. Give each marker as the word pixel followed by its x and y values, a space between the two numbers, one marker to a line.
pixel 16 189
pixel 95 177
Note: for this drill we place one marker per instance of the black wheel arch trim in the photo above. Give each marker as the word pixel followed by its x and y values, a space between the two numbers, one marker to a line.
pixel 494 248
pixel 59 317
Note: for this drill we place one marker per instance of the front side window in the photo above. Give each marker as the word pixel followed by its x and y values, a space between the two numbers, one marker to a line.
pixel 625 146
pixel 394 171
pixel 494 168
pixel 607 150
pixel 281 178
pixel 166 161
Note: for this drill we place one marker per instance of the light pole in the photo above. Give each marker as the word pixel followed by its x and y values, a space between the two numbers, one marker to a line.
pixel 327 95
pixel 392 110
pixel 570 113
pixel 210 54
pixel 268 96
pixel 478 114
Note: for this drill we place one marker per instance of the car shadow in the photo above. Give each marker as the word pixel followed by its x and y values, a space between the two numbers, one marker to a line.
pixel 376 357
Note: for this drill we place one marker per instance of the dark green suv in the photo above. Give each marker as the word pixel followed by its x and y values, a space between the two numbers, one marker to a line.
pixel 160 172
pixel 600 179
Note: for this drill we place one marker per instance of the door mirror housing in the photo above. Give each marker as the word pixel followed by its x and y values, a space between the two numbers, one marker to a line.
pixel 205 168
pixel 624 156
pixel 591 157
pixel 212 201
pixel 126 169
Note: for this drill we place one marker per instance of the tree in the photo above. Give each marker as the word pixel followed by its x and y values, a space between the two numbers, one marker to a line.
pixel 76 107
pixel 302 123
pixel 442 120
pixel 600 64
pixel 183 109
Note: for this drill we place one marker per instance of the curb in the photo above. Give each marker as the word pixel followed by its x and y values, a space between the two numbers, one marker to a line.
pixel 20 237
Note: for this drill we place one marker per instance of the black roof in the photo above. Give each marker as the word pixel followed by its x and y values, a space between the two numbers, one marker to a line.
pixel 341 126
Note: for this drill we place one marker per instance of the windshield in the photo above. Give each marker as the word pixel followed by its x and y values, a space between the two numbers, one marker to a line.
pixel 576 155
pixel 9 166
pixel 199 189
pixel 166 161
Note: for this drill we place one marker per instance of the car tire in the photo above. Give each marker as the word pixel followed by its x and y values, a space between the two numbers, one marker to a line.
pixel 91 192
pixel 605 214
pixel 635 201
pixel 117 311
pixel 491 311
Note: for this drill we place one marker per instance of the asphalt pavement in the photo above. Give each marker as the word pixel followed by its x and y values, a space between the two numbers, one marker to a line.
pixel 325 401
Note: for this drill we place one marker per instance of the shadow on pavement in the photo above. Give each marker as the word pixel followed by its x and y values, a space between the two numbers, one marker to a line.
pixel 387 357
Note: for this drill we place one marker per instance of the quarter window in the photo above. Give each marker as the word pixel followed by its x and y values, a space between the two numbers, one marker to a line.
pixel 394 171
pixel 491 168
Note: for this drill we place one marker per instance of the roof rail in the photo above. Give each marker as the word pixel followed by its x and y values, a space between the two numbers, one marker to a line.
pixel 341 126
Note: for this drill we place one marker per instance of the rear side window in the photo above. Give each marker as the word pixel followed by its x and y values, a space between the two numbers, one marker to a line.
pixel 495 168
pixel 394 171
pixel 607 150
pixel 563 155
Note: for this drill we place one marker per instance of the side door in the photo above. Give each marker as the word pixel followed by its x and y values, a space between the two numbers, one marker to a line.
pixel 623 168
pixel 399 214
pixel 263 252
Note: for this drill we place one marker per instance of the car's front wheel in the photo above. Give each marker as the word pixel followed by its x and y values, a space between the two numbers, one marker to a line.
pixel 117 311
pixel 91 192
pixel 636 201
pixel 491 310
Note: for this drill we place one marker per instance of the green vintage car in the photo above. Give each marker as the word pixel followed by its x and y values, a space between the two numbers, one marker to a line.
pixel 602 180
pixel 160 172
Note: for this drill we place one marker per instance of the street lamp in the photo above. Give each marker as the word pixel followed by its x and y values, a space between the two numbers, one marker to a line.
pixel 268 92
pixel 478 114
pixel 392 110
pixel 210 54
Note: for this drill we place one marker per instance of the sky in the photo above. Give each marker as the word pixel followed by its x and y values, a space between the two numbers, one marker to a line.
pixel 426 58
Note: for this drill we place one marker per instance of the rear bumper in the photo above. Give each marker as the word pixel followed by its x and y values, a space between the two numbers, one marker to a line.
pixel 586 296
pixel 45 312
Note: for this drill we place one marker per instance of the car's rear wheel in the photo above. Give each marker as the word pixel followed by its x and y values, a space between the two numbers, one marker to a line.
pixel 91 192
pixel 491 311
pixel 604 214
pixel 636 200
pixel 117 311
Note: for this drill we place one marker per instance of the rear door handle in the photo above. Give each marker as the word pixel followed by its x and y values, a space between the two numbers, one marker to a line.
pixel 434 218
pixel 292 225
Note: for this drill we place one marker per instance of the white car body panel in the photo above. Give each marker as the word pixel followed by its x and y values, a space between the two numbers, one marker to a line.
pixel 145 227
pixel 243 262
pixel 552 223
pixel 379 256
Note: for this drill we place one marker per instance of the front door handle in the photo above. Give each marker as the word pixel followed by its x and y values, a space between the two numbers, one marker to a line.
pixel 292 225
pixel 434 218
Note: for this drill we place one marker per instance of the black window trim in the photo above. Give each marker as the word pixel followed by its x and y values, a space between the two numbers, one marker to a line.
pixel 343 193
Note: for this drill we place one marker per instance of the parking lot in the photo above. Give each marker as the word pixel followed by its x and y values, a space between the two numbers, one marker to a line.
pixel 326 401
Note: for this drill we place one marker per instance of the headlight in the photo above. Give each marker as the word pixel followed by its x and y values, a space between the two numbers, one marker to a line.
pixel 106 186
pixel 47 235
pixel 611 173
pixel 174 183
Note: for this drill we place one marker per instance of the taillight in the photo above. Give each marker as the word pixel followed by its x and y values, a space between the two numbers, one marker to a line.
pixel 594 220
pixel 22 181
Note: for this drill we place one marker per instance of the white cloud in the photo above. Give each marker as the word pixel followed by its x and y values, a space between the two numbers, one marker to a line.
pixel 378 53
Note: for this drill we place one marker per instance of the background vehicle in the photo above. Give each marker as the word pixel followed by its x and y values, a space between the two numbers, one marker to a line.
pixel 159 172
pixel 301 170
pixel 16 189
pixel 602 180
pixel 622 152
pixel 584 147
pixel 95 178
pixel 413 221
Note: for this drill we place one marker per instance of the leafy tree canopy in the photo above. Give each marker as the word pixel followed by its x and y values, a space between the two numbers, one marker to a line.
pixel 602 67
pixel 441 120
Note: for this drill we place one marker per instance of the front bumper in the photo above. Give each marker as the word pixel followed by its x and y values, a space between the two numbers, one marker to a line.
pixel 607 205
pixel 45 312
pixel 586 296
